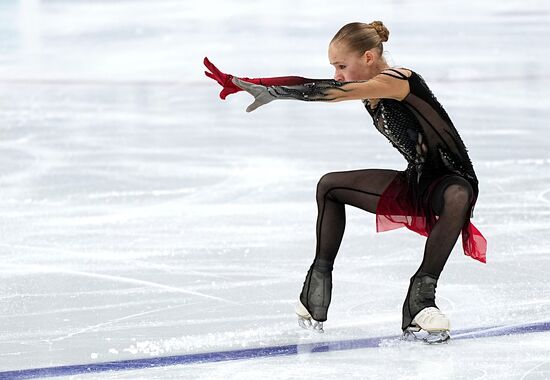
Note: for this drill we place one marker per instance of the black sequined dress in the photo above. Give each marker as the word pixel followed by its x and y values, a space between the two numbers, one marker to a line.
pixel 420 129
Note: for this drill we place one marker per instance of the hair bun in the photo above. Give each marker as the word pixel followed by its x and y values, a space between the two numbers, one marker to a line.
pixel 382 31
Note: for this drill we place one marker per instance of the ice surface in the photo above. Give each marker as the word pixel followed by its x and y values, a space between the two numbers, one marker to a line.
pixel 141 216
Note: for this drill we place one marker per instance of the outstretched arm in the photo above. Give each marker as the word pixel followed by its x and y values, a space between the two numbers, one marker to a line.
pixel 225 80
pixel 327 90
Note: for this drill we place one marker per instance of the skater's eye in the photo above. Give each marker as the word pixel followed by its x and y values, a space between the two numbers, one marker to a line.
pixel 341 67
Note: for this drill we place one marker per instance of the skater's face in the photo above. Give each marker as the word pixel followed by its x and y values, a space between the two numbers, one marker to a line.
pixel 351 65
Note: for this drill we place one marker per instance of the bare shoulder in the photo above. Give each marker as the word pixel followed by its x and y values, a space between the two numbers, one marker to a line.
pixel 403 70
pixel 398 70
pixel 396 82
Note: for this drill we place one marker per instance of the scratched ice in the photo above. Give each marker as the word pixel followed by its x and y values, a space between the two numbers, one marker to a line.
pixel 141 217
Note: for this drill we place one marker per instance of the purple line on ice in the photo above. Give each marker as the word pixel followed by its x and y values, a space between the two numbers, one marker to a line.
pixel 293 349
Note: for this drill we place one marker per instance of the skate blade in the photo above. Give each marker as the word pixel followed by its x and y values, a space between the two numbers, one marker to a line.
pixel 410 336
pixel 437 337
pixel 305 321
pixel 310 324
pixel 434 337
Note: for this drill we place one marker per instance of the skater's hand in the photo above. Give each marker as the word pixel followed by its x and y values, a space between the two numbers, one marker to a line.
pixel 261 94
pixel 223 79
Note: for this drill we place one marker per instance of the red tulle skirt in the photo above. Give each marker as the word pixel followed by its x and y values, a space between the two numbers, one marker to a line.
pixel 402 205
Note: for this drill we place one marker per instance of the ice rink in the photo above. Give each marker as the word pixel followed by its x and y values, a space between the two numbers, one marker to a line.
pixel 150 230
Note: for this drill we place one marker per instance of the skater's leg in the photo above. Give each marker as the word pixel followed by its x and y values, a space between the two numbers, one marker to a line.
pixel 359 188
pixel 451 202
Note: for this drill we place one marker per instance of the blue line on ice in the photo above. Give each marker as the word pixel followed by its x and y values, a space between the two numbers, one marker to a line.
pixel 292 349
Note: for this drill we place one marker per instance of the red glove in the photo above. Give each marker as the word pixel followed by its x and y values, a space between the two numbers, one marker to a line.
pixel 229 87
pixel 223 79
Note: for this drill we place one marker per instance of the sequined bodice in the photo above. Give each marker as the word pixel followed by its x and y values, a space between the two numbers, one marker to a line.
pixel 398 125
pixel 420 129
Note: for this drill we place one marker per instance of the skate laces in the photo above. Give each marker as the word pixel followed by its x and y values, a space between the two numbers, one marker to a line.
pixel 432 312
pixel 425 289
pixel 429 314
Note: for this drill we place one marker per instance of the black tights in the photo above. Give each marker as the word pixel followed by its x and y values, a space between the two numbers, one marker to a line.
pixel 363 188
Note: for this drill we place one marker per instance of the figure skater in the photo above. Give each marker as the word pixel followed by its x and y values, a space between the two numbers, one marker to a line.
pixel 434 196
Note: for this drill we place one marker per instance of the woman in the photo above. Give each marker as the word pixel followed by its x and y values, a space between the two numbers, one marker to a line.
pixel 434 196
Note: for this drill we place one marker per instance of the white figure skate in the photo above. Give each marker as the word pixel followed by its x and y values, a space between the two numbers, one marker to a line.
pixel 429 325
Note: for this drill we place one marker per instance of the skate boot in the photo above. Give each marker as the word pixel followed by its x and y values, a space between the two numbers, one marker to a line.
pixel 314 301
pixel 422 320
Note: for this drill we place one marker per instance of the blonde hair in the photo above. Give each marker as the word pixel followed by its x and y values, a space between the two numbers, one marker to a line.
pixel 360 37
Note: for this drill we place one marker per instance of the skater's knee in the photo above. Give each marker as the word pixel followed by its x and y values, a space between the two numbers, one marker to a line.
pixel 453 194
pixel 458 197
pixel 326 184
